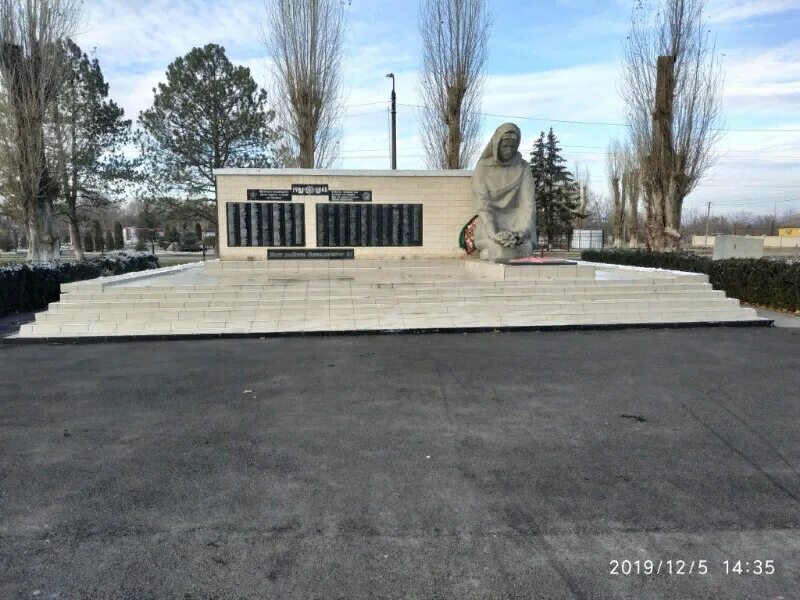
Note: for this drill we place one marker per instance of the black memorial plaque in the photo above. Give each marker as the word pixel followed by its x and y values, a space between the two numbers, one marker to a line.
pixel 338 254
pixel 269 195
pixel 349 224
pixel 351 196
pixel 265 224
pixel 310 189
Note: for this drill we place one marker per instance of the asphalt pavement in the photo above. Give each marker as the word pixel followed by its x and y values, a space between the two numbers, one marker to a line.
pixel 517 465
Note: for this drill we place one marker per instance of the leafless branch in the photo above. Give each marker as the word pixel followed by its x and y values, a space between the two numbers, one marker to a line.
pixel 673 133
pixel 305 40
pixel 455 36
pixel 32 67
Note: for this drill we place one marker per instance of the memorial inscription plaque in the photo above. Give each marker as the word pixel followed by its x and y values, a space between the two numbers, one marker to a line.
pixel 269 195
pixel 351 196
pixel 345 224
pixel 339 254
pixel 265 224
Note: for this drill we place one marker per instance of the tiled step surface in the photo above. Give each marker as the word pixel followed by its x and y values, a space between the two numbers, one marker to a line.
pixel 310 312
pixel 381 323
pixel 387 300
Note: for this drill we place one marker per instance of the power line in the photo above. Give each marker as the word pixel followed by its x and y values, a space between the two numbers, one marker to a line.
pixel 750 151
pixel 371 112
pixel 609 124
pixel 736 203
pixel 365 104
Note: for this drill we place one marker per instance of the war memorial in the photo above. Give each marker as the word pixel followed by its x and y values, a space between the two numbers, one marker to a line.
pixel 306 251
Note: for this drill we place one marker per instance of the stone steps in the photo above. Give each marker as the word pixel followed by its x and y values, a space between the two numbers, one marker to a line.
pixel 300 310
pixel 367 323
pixel 445 296
pixel 384 290
pixel 397 300
pixel 172 301
pixel 371 285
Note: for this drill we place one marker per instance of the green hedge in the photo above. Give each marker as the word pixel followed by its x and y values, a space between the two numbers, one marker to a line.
pixel 762 281
pixel 32 286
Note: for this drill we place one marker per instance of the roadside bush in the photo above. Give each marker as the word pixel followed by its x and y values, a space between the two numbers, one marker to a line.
pixel 675 261
pixel 31 286
pixel 762 281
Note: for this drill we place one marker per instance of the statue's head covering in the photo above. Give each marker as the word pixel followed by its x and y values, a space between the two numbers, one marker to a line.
pixel 490 155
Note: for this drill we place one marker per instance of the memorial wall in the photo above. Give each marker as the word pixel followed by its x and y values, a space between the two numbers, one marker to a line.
pixel 296 213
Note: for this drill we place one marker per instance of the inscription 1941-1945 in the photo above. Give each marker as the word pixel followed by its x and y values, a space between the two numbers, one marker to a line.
pixel 310 189
pixel 269 195
pixel 351 196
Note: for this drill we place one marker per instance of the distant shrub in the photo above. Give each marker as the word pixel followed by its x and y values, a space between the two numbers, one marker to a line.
pixel 188 242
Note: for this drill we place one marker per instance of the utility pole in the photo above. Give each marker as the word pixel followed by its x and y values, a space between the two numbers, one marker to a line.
pixel 774 219
pixel 394 124
pixel 708 218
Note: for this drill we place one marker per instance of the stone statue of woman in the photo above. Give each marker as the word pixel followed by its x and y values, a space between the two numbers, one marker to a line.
pixel 503 188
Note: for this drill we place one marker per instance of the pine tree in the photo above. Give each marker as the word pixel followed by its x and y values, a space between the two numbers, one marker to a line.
pixel 119 240
pixel 209 114
pixel 87 134
pixel 110 242
pixel 556 197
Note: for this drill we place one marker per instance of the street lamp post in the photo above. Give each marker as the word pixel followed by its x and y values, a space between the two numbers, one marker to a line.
pixel 394 124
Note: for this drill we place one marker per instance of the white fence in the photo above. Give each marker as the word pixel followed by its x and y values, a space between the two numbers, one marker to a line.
pixel 770 241
pixel 587 239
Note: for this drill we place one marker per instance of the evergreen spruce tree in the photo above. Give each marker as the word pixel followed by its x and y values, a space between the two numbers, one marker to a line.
pixel 110 242
pixel 119 240
pixel 99 241
pixel 556 199
pixel 88 241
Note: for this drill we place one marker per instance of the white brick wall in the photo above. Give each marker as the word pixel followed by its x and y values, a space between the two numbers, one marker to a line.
pixel 446 197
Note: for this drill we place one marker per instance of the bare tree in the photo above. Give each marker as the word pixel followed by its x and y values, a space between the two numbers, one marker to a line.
pixel 305 40
pixel 631 191
pixel 672 86
pixel 583 179
pixel 32 67
pixel 616 160
pixel 455 36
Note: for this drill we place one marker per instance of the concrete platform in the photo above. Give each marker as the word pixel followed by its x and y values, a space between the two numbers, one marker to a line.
pixel 317 297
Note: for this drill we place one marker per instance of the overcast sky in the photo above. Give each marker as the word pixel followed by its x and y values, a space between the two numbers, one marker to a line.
pixel 550 61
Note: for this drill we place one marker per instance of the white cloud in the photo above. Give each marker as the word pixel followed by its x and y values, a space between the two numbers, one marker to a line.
pixel 729 11
pixel 766 83
pixel 136 41
pixel 130 33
